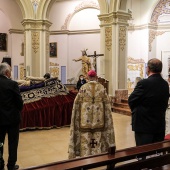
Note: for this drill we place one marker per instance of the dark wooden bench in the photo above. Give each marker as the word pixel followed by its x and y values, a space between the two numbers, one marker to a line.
pixel 120 160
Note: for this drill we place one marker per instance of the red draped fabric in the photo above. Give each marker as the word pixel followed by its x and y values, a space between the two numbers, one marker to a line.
pixel 48 112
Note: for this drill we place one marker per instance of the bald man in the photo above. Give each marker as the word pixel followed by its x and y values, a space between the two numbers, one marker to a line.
pixel 148 103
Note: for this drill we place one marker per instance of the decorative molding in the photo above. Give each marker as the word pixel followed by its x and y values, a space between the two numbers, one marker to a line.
pixel 131 60
pixel 25 43
pixel 152 35
pixel 16 31
pixel 35 2
pixel 35 41
pixel 21 71
pixel 54 71
pixel 54 64
pixel 83 5
pixel 108 20
pixel 114 18
pixel 108 37
pixel 122 37
pixel 93 31
pixel 163 7
pixel 47 44
pixel 36 26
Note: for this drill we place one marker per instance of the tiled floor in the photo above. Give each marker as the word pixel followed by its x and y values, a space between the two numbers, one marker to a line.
pixel 45 146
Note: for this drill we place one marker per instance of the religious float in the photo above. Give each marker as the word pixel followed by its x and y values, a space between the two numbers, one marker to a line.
pixel 47 104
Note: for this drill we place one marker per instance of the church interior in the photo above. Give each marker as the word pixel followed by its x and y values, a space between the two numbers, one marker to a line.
pixel 48 36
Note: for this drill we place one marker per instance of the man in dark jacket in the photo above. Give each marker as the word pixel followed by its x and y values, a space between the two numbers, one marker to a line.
pixel 11 105
pixel 148 103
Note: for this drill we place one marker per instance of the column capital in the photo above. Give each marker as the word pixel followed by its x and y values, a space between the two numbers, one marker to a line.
pixel 31 24
pixel 114 18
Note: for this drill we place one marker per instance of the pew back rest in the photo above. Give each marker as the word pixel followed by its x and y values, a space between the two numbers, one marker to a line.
pixel 118 157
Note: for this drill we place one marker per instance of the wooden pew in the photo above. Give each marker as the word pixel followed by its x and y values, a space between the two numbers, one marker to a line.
pixel 126 159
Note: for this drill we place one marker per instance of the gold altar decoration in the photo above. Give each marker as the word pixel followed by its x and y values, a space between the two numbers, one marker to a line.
pixel 54 69
pixel 135 71
pixel 21 71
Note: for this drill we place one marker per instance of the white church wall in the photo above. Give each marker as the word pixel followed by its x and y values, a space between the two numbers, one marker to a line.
pixel 138 44
pixel 11 17
pixel 4 27
pixel 76 44
pixel 62 50
pixel 12 12
pixel 163 51
pixel 85 19
pixel 73 43
pixel 59 12
pixel 16 49
pixel 69 47
pixel 141 10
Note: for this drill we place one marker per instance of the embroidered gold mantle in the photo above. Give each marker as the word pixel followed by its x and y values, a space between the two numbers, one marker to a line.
pixel 91 121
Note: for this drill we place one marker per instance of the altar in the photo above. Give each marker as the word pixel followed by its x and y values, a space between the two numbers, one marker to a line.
pixel 48 105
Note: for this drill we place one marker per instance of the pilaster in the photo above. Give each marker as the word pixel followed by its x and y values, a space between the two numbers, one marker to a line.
pixel 113 44
pixel 36 39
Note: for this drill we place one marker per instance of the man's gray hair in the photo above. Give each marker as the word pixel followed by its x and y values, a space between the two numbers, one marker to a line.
pixel 3 68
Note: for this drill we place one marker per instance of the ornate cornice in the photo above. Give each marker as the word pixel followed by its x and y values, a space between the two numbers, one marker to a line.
pixel 114 18
pixel 163 7
pixel 47 44
pixel 36 24
pixel 108 37
pixel 122 37
pixel 35 41
pixel 93 31
pixel 152 35
pixel 54 64
pixel 83 5
pixel 16 31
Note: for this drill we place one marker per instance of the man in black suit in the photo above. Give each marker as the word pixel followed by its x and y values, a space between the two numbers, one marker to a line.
pixel 148 103
pixel 11 105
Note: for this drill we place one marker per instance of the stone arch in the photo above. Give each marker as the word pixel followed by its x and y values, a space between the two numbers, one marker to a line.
pixel 103 6
pixel 48 4
pixel 117 5
pixel 44 8
pixel 122 5
pixel 26 8
pixel 159 9
pixel 80 7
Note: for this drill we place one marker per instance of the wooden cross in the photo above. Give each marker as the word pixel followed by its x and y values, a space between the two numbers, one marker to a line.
pixel 94 59
pixel 92 143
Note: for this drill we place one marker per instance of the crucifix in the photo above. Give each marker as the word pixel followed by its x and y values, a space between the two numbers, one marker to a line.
pixel 92 143
pixel 94 56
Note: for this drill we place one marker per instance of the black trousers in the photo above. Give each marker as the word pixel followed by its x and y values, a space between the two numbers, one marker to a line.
pixel 13 138
pixel 148 138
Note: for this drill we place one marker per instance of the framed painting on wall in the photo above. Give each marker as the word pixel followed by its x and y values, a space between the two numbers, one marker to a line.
pixel 3 42
pixel 53 49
